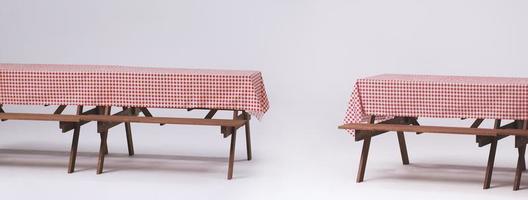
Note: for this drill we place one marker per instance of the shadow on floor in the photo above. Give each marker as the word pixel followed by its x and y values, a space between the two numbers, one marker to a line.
pixel 113 162
pixel 502 177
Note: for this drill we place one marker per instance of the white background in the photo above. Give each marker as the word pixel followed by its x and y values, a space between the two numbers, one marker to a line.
pixel 310 53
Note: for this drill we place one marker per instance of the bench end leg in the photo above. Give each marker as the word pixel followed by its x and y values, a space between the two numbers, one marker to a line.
pixel 363 160
pixel 491 162
pixel 102 152
pixel 248 138
pixel 403 148
pixel 130 143
pixel 73 151
pixel 231 159
pixel 520 167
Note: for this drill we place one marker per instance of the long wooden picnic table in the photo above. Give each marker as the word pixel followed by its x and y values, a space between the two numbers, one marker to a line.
pixel 394 102
pixel 133 90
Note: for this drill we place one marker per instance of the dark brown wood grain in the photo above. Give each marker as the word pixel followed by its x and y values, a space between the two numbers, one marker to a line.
pixel 364 155
pixel 484 136
pixel 248 136
pixel 68 126
pixel 491 158
pixel 434 129
pixel 210 114
pixel 40 117
pixel 75 143
pixel 521 163
pixel 59 110
pixel 231 158
pixel 128 131
pixel 103 148
pixel 105 121
pixel 403 148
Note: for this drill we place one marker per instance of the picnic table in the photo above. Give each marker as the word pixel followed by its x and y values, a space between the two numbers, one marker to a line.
pixel 394 102
pixel 133 90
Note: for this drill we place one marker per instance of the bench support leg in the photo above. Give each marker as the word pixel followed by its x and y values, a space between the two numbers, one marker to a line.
pixel 231 156
pixel 106 111
pixel 363 160
pixel 128 130
pixel 75 142
pixel 103 148
pixel 73 151
pixel 523 159
pixel 491 162
pixel 130 144
pixel 364 153
pixel 403 148
pixel 520 143
pixel 520 167
pixel 102 153
pixel 248 137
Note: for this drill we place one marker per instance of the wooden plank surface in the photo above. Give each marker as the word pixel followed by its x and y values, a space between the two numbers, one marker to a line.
pixel 361 135
pixel 165 120
pixel 40 117
pixel 434 129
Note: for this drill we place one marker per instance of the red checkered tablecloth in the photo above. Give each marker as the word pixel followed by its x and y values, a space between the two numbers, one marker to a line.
pixel 97 85
pixel 390 95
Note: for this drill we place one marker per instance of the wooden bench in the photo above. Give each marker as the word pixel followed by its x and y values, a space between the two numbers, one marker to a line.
pixel 435 129
pixel 102 115
pixel 485 136
pixel 39 117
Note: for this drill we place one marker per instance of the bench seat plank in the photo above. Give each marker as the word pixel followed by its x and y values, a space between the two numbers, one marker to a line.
pixel 40 117
pixel 165 120
pixel 156 120
pixel 434 129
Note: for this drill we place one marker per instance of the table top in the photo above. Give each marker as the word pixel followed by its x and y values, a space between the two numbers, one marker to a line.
pixel 481 80
pixel 151 87
pixel 116 69
pixel 389 95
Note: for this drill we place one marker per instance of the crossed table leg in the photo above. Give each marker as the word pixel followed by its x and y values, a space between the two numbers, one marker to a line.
pixel 76 127
pixel 104 126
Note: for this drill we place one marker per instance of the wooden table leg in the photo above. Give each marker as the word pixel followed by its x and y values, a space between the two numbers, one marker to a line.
pixel 364 154
pixel 491 157
pixel 520 167
pixel 363 160
pixel 491 162
pixel 128 131
pixel 106 111
pixel 403 148
pixel 521 164
pixel 75 143
pixel 523 158
pixel 231 156
pixel 231 160
pixel 248 136
pixel 73 151
pixel 102 153
pixel 103 148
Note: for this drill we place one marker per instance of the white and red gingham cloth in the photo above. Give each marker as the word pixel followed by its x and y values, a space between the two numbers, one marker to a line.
pixel 97 85
pixel 390 95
